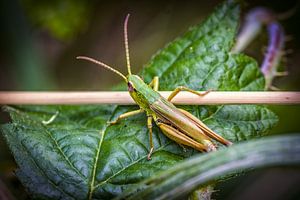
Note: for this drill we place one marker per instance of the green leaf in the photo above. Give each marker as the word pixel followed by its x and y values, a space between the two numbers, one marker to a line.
pixel 178 181
pixel 79 156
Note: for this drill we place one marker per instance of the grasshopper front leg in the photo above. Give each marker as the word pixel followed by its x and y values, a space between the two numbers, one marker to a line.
pixel 154 84
pixel 149 125
pixel 182 88
pixel 127 114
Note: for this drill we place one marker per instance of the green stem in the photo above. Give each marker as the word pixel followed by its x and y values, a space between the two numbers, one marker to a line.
pixel 179 181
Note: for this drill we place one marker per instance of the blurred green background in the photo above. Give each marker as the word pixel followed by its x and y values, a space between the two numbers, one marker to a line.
pixel 40 40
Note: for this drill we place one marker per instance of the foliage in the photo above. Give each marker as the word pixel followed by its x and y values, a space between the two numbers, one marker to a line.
pixel 63 19
pixel 80 156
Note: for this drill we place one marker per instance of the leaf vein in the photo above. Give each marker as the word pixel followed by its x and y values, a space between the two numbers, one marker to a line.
pixel 95 164
pixel 131 164
pixel 43 172
pixel 63 154
pixel 92 183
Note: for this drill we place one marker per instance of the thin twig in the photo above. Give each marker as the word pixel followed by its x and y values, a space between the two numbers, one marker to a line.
pixel 123 98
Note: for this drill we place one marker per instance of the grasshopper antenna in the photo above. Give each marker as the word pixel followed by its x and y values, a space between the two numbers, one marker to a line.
pixel 126 44
pixel 102 64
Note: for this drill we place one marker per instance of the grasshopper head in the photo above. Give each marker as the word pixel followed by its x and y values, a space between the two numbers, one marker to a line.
pixel 133 82
pixel 130 87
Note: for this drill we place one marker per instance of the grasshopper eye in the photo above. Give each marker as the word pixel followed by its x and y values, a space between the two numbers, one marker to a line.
pixel 130 87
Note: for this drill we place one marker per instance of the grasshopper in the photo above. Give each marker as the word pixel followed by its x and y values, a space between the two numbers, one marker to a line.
pixel 177 124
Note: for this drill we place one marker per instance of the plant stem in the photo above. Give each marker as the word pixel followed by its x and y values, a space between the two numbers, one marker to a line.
pixel 123 98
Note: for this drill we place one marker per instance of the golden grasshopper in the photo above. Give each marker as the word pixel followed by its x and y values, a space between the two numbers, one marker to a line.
pixel 177 124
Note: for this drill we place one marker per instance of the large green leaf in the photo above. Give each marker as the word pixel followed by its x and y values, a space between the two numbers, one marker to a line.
pixel 79 156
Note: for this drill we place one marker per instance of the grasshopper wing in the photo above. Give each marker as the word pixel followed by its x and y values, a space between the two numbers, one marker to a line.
pixel 207 130
pixel 167 113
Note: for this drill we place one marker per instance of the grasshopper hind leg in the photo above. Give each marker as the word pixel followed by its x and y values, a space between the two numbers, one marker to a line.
pixel 154 83
pixel 182 88
pixel 205 128
pixel 183 139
